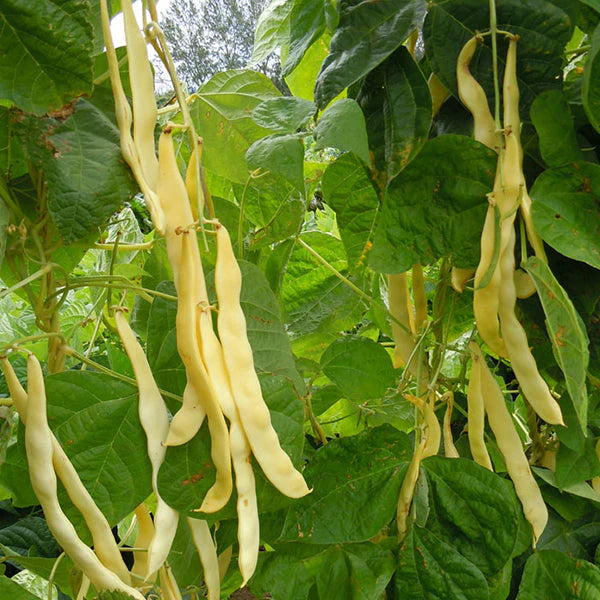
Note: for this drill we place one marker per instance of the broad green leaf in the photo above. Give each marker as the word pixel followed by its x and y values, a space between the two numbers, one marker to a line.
pixel 281 155
pixel 575 467
pixel 13 162
pixel 435 208
pixel 567 334
pixel 282 576
pixel 272 29
pixel 46 49
pixel 43 567
pixel 324 398
pixel 284 115
pixel 29 535
pixel 80 155
pixel 565 211
pixel 590 89
pixel 342 126
pixel 473 510
pixel 313 298
pixel 188 472
pixel 553 122
pixel 360 367
pixel 301 80
pixel 356 482
pixel 552 574
pixel 595 4
pixel 354 572
pixel 431 569
pixel 578 538
pixel 544 30
pixel 347 188
pixel 222 110
pixel 398 120
pixel 583 490
pixel 12 478
pixel 367 33
pixel 307 23
pixel 12 590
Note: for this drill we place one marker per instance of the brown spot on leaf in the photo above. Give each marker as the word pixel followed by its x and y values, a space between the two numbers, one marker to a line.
pixel 560 334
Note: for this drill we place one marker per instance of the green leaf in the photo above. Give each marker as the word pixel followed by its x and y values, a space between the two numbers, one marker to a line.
pixel 565 211
pixel 4 221
pixel 272 29
pixel 590 89
pixel 435 208
pixel 29 535
pixel 12 590
pixel 354 572
pixel 368 32
pixel 575 467
pixel 184 559
pixel 282 576
pixel 222 111
pixel 80 155
pixel 544 30
pixel 13 162
pixel 431 569
pixel 46 49
pixel 567 334
pixel 342 126
pixel 360 367
pixel 313 298
pixel 285 114
pixel 398 120
pixel 43 567
pixel 552 574
pixel 347 188
pixel 553 122
pixel 301 80
pixel 583 490
pixel 473 510
pixel 281 155
pixel 356 482
pixel 161 337
pixel 307 23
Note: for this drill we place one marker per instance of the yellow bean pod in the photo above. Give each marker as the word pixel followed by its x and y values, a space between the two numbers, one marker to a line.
pixel 509 443
pixel 476 418
pixel 145 112
pixel 39 448
pixel 473 96
pixel 419 296
pixel 450 450
pixel 104 542
pixel 239 361
pixel 207 551
pixel 534 388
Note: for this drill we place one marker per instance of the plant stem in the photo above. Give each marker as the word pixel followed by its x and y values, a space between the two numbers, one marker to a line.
pixel 102 369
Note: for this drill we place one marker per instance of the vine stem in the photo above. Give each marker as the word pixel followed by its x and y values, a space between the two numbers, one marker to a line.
pixel 102 369
pixel 351 285
pixel 497 121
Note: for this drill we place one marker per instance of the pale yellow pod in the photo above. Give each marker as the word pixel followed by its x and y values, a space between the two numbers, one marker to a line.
pixel 245 385
pixel 207 551
pixel 194 191
pixel 439 93
pixel 247 508
pixel 473 97
pixel 204 399
pixel 104 542
pixel 142 541
pixel 154 419
pixel 39 448
pixel 419 296
pixel 476 418
pixel 145 112
pixel 407 490
pixel 524 286
pixel 459 277
pixel 174 202
pixel 398 303
pixel 168 584
pixel 509 443
pixel 433 432
pixel 450 450
pixel 534 388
